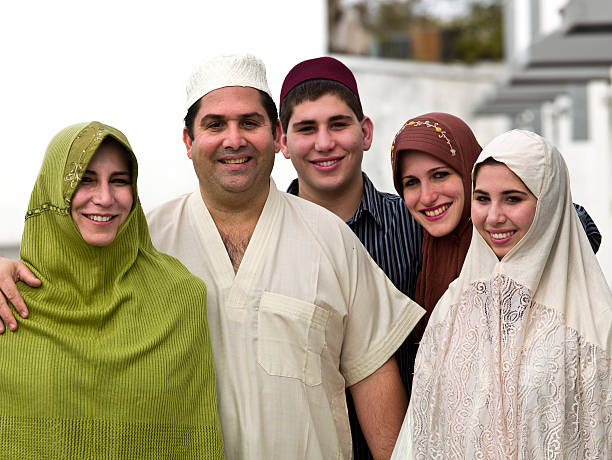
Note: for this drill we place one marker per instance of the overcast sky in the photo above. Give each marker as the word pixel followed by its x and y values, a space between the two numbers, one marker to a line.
pixel 125 63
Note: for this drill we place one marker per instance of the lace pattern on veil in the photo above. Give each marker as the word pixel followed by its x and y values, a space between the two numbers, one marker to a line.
pixel 503 377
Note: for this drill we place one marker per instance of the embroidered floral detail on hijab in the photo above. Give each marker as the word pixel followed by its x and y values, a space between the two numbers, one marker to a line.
pixel 75 174
pixel 435 125
pixel 76 168
pixel 47 207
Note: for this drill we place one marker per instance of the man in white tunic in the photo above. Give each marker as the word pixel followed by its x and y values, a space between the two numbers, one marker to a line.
pixel 297 308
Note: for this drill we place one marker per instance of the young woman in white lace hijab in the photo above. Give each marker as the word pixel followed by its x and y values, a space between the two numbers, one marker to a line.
pixel 515 360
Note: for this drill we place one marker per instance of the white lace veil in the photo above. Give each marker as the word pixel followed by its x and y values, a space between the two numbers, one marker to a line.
pixel 515 360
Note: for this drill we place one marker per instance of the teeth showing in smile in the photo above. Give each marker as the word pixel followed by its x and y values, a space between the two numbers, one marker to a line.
pixel 437 211
pixel 235 161
pixel 501 236
pixel 326 163
pixel 99 218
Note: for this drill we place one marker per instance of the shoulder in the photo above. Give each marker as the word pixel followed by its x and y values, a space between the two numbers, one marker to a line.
pixel 394 203
pixel 167 209
pixel 173 278
pixel 393 214
pixel 166 221
pixel 310 216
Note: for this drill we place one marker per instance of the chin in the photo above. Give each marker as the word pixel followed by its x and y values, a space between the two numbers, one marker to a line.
pixel 437 230
pixel 99 240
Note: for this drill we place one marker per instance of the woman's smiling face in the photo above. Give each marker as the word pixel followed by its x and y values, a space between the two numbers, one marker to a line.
pixel 432 190
pixel 503 207
pixel 104 198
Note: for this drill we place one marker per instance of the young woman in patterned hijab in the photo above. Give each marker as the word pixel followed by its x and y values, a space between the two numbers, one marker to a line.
pixel 515 360
pixel 432 158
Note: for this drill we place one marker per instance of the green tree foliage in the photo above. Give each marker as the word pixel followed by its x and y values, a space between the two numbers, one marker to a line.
pixel 477 35
pixel 474 36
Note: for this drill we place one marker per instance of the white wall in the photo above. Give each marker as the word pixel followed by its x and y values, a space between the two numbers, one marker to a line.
pixel 589 162
pixel 550 15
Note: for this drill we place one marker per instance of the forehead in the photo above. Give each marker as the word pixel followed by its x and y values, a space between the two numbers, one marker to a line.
pixel 111 155
pixel 417 161
pixel 498 177
pixel 230 102
pixel 327 105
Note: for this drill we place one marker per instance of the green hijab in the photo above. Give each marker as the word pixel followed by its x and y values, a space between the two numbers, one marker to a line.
pixel 115 360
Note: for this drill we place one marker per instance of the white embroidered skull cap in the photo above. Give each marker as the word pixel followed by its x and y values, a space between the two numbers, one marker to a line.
pixel 227 70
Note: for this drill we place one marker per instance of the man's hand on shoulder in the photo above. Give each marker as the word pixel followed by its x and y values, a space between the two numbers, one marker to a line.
pixel 12 271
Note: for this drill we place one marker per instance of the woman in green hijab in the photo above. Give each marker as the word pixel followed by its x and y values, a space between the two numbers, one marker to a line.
pixel 116 362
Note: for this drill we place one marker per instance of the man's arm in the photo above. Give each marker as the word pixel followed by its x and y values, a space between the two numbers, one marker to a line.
pixel 12 271
pixel 381 404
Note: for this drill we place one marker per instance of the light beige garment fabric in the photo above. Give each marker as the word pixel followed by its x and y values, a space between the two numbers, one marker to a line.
pixel 308 314
pixel 515 360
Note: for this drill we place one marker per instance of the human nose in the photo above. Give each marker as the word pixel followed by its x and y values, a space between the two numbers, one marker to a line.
pixel 234 138
pixel 324 142
pixel 429 194
pixel 495 214
pixel 102 195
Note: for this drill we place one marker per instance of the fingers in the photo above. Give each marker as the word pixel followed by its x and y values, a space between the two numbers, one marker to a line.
pixel 24 274
pixel 7 316
pixel 12 271
pixel 11 293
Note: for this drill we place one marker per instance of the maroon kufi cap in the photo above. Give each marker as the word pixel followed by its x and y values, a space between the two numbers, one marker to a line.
pixel 326 68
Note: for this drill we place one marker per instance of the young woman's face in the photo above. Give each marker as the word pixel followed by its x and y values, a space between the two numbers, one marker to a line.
pixel 502 207
pixel 104 197
pixel 433 192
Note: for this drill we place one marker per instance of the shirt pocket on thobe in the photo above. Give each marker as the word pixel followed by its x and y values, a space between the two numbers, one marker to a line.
pixel 291 337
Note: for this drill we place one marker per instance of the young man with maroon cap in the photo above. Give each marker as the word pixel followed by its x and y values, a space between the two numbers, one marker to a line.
pixel 325 134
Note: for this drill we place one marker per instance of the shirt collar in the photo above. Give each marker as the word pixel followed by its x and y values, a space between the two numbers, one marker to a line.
pixel 370 203
pixel 370 200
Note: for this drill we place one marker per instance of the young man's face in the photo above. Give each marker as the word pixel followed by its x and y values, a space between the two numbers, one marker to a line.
pixel 325 143
pixel 233 146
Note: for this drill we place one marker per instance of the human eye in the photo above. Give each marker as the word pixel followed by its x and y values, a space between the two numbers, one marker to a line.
pixel 440 174
pixel 305 129
pixel 339 125
pixel 214 125
pixel 411 182
pixel 514 199
pixel 481 198
pixel 250 123
pixel 86 179
pixel 121 181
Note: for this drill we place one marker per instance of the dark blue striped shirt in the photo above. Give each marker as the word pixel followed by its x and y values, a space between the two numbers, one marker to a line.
pixel 589 226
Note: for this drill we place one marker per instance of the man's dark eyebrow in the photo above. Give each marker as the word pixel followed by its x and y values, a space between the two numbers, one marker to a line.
pixel 301 123
pixel 340 117
pixel 209 117
pixel 252 115
pixel 216 117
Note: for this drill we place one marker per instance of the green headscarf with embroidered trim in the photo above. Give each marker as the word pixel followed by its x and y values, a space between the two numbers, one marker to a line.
pixel 115 360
